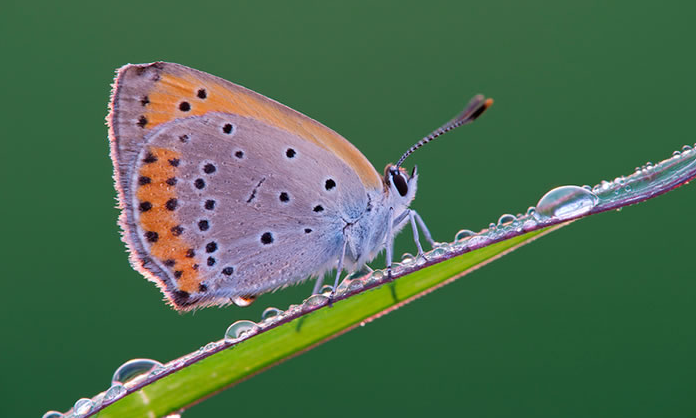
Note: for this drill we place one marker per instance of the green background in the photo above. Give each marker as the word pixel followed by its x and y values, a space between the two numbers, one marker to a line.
pixel 594 320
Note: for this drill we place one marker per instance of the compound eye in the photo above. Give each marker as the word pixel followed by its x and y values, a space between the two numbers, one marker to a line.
pixel 400 182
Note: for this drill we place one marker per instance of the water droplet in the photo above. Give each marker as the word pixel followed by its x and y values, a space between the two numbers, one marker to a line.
pixel 586 187
pixel 270 313
pixel 627 188
pixel 565 202
pixel 210 347
pixel 132 369
pixel 82 407
pixel 316 300
pixel 376 277
pixel 676 154
pixel 531 211
pixel 686 148
pixel 240 329
pixel 52 414
pixel 355 285
pixel 173 416
pixel 437 252
pixel 242 302
pixel 506 219
pixel 491 226
pixel 463 234
pixel 116 391
pixel 326 289
pixel 407 259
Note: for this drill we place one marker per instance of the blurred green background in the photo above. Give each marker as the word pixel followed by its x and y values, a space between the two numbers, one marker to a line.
pixel 594 320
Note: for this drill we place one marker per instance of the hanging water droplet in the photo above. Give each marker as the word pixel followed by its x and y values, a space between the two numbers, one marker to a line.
pixel 82 407
pixel 407 259
pixel 316 300
pixel 52 414
pixel 463 234
pixel 270 313
pixel 506 219
pixel 116 391
pixel 241 301
pixel 240 329
pixel 565 202
pixel 132 369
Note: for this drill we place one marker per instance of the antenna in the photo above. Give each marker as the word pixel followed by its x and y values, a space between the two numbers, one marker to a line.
pixel 477 105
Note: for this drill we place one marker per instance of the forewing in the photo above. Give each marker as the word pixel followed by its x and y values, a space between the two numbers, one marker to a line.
pixel 148 95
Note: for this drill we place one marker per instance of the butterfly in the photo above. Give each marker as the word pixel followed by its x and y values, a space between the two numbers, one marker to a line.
pixel 226 194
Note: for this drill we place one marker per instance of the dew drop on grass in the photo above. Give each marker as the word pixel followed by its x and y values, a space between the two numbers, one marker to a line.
pixel 316 300
pixel 565 202
pixel 407 259
pixel 506 219
pixel 463 234
pixel 240 329
pixel 116 391
pixel 270 313
pixel 132 369
pixel 82 407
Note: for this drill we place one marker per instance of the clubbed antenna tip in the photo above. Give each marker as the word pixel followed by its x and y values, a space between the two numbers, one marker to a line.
pixel 477 105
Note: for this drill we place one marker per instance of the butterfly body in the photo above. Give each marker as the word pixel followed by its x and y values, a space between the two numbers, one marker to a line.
pixel 225 193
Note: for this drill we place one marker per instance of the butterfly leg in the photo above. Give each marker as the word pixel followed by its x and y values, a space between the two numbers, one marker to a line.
pixel 390 243
pixel 317 285
pixel 416 238
pixel 423 228
pixel 339 269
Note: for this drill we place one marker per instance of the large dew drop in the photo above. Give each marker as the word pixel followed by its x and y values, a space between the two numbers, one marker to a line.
pixel 239 329
pixel 52 414
pixel 565 202
pixel 132 369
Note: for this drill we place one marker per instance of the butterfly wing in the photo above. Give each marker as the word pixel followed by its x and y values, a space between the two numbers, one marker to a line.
pixel 148 95
pixel 219 204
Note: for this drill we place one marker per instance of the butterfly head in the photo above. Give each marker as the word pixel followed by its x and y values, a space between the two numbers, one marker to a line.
pixel 401 185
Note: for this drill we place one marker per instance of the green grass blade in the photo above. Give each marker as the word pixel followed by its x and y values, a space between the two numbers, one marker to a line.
pixel 232 365
pixel 196 376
